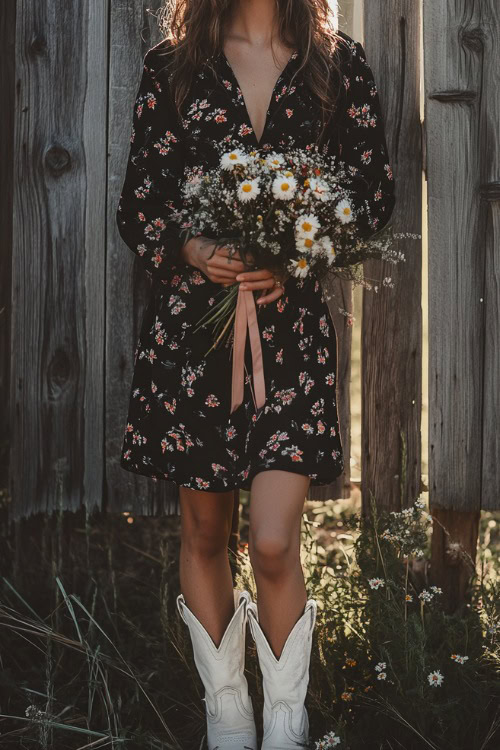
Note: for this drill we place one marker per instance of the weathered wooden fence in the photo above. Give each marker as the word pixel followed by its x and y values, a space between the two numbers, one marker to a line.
pixel 72 295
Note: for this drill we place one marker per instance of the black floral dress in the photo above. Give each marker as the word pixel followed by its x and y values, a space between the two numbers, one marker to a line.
pixel 179 425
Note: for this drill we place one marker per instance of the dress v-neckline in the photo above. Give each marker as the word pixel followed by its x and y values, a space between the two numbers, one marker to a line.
pixel 271 99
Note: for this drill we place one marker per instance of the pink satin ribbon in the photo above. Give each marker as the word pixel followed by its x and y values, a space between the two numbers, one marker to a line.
pixel 246 316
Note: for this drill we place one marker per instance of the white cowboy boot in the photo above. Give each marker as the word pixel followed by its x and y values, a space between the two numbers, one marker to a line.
pixel 228 707
pixel 285 681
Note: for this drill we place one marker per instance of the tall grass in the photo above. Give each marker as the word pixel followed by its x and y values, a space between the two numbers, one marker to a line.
pixel 109 663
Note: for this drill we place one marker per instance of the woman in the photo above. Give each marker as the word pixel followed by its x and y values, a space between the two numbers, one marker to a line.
pixel 272 74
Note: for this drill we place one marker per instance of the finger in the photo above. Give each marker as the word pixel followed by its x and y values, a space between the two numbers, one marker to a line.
pixel 261 273
pixel 231 266
pixel 222 280
pixel 226 273
pixel 271 297
pixel 263 284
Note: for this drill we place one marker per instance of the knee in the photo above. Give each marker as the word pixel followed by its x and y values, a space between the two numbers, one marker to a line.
pixel 271 555
pixel 204 538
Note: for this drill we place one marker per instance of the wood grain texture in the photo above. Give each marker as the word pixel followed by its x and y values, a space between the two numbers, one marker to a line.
pixel 58 254
pixel 462 111
pixel 134 30
pixel 7 94
pixel 391 359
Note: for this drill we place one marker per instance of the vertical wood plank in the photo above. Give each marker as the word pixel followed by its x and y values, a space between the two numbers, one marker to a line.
pixel 58 255
pixel 339 295
pixel 133 31
pixel 7 94
pixel 461 86
pixel 392 318
pixel 489 115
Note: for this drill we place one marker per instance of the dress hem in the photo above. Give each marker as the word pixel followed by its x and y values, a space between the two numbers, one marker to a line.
pixel 244 485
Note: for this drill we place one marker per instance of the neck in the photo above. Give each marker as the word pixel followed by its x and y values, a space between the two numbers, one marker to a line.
pixel 252 21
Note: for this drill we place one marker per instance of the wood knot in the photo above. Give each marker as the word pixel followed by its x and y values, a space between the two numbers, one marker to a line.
pixel 456 95
pixel 38 45
pixel 59 373
pixel 57 159
pixel 473 39
pixel 490 191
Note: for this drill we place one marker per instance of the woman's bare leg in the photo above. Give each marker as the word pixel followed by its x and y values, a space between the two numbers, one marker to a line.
pixel 276 506
pixel 205 574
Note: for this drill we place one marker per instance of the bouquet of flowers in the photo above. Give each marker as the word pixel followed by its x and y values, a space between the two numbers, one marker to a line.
pixel 288 212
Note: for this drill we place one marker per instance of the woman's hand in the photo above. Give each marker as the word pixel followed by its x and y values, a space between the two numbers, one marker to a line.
pixel 220 268
pixel 263 279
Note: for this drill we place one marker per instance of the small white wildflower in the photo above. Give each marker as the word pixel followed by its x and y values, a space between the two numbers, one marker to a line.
pixel 284 188
pixel 408 598
pixel 343 211
pixel 376 583
pixel 319 189
pixel 248 190
pixel 493 629
pixel 329 741
pixel 435 678
pixel 425 595
pixel 419 504
pixel 232 158
pixel 381 676
pixel 436 589
pixel 380 666
pixel 459 659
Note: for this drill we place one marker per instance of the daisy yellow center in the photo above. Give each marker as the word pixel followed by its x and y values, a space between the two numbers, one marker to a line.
pixel 347 211
pixel 246 187
pixel 285 186
pixel 302 263
pixel 233 156
pixel 306 183
pixel 275 161
pixel 306 226
pixel 288 174
pixel 308 243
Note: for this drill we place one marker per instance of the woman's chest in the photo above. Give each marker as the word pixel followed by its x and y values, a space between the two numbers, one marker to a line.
pixel 215 111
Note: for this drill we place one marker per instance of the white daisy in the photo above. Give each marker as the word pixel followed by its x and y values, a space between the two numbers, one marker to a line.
pixel 305 244
pixel 328 248
pixel 435 678
pixel 284 187
pixel 307 225
pixel 343 211
pixel 232 158
pixel 318 188
pixel 248 190
pixel 299 267
pixel 274 161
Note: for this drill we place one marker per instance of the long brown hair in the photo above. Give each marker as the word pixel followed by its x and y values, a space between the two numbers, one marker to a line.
pixel 194 29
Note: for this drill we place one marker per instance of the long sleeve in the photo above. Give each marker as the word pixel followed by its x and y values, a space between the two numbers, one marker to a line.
pixel 362 144
pixel 151 190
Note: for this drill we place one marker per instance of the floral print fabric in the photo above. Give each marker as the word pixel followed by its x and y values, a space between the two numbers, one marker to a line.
pixel 178 426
